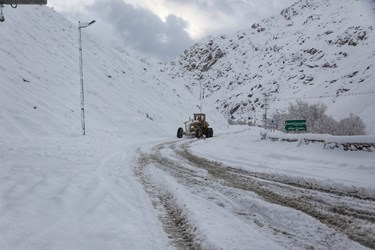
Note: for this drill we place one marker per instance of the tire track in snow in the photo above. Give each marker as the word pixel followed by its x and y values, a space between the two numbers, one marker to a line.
pixel 179 231
pixel 348 213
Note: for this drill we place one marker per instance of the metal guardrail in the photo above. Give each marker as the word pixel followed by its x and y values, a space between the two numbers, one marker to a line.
pixel 347 143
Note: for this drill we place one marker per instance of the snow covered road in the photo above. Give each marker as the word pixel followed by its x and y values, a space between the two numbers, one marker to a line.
pixel 126 192
pixel 216 206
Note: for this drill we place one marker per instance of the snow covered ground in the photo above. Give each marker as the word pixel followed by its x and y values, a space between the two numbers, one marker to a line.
pixel 222 207
pixel 122 185
pixel 75 193
pixel 246 150
pixel 82 192
pixel 58 189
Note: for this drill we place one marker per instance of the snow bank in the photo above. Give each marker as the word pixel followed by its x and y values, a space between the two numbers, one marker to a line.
pixel 351 170
pixel 366 141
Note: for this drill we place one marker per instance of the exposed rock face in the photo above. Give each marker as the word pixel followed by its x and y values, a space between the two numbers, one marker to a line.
pixel 312 50
pixel 202 56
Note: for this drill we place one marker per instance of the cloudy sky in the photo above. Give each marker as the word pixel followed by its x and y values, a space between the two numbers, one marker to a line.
pixel 165 28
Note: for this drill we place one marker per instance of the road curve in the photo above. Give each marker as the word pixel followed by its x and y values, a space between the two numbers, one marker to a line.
pixel 349 214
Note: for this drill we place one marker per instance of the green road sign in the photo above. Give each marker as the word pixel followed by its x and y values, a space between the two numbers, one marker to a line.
pixel 295 125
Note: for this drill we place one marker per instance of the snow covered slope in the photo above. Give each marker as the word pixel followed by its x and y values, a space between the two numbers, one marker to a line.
pixel 317 51
pixel 40 89
pixel 60 190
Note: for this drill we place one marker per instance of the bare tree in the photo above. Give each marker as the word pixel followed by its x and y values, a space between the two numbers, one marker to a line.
pixel 353 125
pixel 314 114
pixel 318 122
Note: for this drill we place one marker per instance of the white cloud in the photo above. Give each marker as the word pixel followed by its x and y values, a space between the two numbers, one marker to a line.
pixel 166 27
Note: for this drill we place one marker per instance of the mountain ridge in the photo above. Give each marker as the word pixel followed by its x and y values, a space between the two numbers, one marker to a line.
pixel 317 51
pixel 127 93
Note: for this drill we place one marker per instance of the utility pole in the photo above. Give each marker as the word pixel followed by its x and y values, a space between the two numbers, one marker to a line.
pixel 266 107
pixel 81 26
pixel 201 96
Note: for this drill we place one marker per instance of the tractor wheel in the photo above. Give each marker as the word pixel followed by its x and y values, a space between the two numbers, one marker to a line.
pixel 180 132
pixel 207 134
pixel 211 132
pixel 198 133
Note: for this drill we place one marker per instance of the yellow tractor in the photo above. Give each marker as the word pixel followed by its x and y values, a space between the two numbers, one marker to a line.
pixel 198 127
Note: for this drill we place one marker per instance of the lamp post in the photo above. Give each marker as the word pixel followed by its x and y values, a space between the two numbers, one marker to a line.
pixel 81 26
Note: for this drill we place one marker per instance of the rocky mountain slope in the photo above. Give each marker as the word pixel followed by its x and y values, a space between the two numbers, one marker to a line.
pixel 316 51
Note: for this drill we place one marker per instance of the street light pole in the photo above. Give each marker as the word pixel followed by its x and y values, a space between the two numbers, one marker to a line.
pixel 81 26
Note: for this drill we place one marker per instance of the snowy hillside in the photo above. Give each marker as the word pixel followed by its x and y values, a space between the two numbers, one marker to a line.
pixel 129 183
pixel 61 190
pixel 40 90
pixel 317 51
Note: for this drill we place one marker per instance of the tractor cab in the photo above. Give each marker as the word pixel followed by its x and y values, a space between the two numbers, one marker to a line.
pixel 200 119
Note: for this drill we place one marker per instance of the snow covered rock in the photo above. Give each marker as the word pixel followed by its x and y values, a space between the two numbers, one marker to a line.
pixel 317 51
